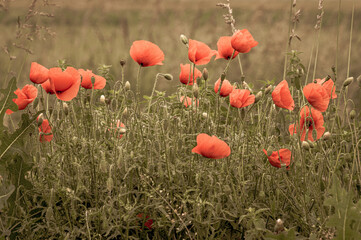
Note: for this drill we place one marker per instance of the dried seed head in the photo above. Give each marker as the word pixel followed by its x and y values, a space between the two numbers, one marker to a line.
pixel 195 90
pixel 279 226
pixel 352 114
pixel 258 96
pixel 327 136
pixel 127 86
pixel 305 145
pixel 66 108
pixel 184 39
pixel 102 99
pixel 348 81
pixel 168 76
pixel 205 73
pixel 122 62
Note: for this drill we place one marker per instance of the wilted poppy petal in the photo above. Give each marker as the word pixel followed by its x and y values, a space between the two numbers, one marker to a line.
pixel 146 53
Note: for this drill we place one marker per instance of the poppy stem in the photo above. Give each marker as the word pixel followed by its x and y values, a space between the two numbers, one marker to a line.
pixel 151 96
pixel 137 84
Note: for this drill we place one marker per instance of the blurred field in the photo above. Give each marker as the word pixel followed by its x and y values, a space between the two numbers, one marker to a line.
pixel 91 33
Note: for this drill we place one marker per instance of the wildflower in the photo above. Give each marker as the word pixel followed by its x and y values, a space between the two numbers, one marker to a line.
pixel 184 74
pixel 188 101
pixel 225 49
pixel 45 131
pixel 317 96
pixel 281 96
pixel 241 98
pixel 329 86
pixel 146 53
pixel 199 53
pixel 148 223
pixel 309 121
pixel 46 86
pixel 242 41
pixel 64 84
pixel 99 81
pixel 211 147
pixel 38 73
pixel 25 96
pixel 226 88
pixel 279 158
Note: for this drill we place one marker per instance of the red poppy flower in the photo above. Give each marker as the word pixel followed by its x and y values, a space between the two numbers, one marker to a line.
pixel 25 96
pixel 64 84
pixel 225 49
pixel 184 74
pixel 242 41
pixel 146 53
pixel 279 158
pixel 86 82
pixel 309 121
pixel 329 86
pixel 241 98
pixel 281 96
pixel 45 131
pixel 317 96
pixel 188 101
pixel 38 73
pixel 226 88
pixel 46 86
pixel 211 147
pixel 148 223
pixel 199 53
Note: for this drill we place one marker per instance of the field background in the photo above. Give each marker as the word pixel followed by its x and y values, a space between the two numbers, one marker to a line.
pixel 91 33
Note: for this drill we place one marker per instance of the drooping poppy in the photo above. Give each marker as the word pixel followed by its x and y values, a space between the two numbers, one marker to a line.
pixel 26 95
pixel 242 41
pixel 241 98
pixel 329 86
pixel 282 97
pixel 211 147
pixel 148 223
pixel 225 49
pixel 199 53
pixel 86 82
pixel 46 86
pixel 146 53
pixel 188 101
pixel 309 121
pixel 184 74
pixel 226 87
pixel 38 73
pixel 317 96
pixel 279 158
pixel 45 131
pixel 64 84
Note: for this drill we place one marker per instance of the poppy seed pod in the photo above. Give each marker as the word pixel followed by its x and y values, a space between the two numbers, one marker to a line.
pixel 348 81
pixel 127 86
pixel 184 39
pixel 122 62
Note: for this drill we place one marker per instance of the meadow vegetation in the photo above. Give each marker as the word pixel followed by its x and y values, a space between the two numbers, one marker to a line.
pixel 131 151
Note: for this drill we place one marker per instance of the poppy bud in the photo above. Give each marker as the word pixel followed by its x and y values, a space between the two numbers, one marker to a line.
pixel 205 115
pixel 205 73
pixel 348 81
pixel 125 112
pixel 359 81
pixel 305 145
pixel 127 86
pixel 40 119
pixel 184 39
pixel 195 90
pixel 268 89
pixel 168 76
pixel 122 130
pixel 65 108
pixel 279 226
pixel 312 144
pixel 258 96
pixel 327 136
pixel 122 62
pixel 102 99
pixel 223 76
pixel 352 114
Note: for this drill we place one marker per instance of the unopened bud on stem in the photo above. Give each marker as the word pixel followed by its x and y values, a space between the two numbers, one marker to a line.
pixel 102 99
pixel 205 73
pixel 184 39
pixel 168 76
pixel 352 114
pixel 305 145
pixel 268 89
pixel 65 108
pixel 195 90
pixel 258 96
pixel 348 81
pixel 327 136
pixel 127 86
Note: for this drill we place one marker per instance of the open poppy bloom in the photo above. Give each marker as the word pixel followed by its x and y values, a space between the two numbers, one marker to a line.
pixel 241 98
pixel 281 96
pixel 199 53
pixel 148 222
pixel 86 82
pixel 242 41
pixel 38 73
pixel 45 131
pixel 317 96
pixel 146 53
pixel 329 86
pixel 226 87
pixel 225 49
pixel 309 121
pixel 184 74
pixel 279 158
pixel 64 84
pixel 25 96
pixel 188 101
pixel 46 86
pixel 211 147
